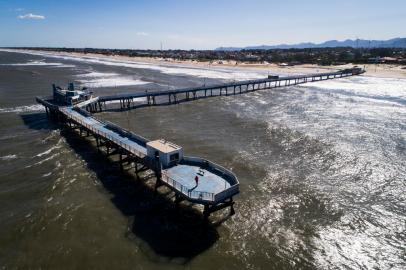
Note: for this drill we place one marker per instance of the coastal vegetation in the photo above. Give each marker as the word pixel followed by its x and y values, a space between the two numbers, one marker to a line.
pixel 320 56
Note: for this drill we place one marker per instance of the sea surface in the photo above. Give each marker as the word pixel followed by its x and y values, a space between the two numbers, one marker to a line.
pixel 322 171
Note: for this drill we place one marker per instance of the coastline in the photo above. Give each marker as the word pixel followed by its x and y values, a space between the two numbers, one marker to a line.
pixel 373 70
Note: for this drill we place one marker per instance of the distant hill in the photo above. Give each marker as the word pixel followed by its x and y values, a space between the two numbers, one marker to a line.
pixel 355 43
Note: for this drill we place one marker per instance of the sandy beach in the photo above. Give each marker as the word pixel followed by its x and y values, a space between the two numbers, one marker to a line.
pixel 375 70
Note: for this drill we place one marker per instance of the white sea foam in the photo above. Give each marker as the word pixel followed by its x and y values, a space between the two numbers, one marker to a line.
pixel 202 72
pixel 100 79
pixel 383 89
pixel 111 82
pixel 46 152
pixel 8 157
pixel 94 74
pixel 22 109
pixel 39 63
pixel 42 161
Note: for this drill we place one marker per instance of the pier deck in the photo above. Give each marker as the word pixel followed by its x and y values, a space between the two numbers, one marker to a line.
pixel 209 184
pixel 231 88
pixel 216 185
pixel 99 128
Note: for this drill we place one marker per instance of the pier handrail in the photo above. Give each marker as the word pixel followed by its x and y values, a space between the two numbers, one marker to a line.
pixel 104 134
pixel 207 196
pixel 344 72
pixel 134 147
pixel 198 195
pixel 227 193
pixel 232 179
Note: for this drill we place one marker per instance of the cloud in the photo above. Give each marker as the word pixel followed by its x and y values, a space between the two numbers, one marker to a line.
pixel 31 16
pixel 144 34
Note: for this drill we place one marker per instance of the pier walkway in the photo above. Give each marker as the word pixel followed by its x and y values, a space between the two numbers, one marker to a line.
pixel 194 179
pixel 233 88
pixel 216 185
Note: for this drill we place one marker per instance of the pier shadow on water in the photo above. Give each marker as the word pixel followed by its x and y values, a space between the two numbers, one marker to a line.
pixel 164 231
pixel 38 121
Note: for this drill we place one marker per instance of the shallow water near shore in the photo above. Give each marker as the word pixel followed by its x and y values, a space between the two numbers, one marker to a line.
pixel 321 168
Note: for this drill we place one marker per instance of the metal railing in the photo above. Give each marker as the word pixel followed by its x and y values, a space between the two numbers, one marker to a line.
pixel 346 72
pixel 227 193
pixel 207 164
pixel 103 134
pixel 217 169
pixel 196 195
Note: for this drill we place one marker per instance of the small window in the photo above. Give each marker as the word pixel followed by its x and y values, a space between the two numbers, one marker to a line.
pixel 174 157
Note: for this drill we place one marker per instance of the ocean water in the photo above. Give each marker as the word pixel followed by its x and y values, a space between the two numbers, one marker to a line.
pixel 322 170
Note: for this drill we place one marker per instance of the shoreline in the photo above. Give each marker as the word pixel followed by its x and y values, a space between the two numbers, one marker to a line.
pixel 373 70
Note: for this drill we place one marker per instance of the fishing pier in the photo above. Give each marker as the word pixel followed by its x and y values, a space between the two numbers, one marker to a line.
pixel 193 179
pixel 175 96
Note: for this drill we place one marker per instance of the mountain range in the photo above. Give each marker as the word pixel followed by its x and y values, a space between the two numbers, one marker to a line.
pixel 355 43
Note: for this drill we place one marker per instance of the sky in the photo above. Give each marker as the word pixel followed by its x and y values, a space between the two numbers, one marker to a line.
pixel 195 24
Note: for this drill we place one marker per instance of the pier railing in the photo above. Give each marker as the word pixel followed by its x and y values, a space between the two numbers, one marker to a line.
pixel 134 146
pixel 196 195
pixel 175 96
pixel 211 166
pixel 105 135
pixel 201 195
pixel 227 193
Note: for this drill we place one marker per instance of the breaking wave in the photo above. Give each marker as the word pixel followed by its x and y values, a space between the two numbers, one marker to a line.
pixel 202 72
pixel 8 157
pixel 39 63
pixel 22 109
pixel 100 79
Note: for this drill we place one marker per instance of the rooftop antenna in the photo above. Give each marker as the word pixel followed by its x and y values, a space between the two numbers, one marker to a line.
pixel 161 46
